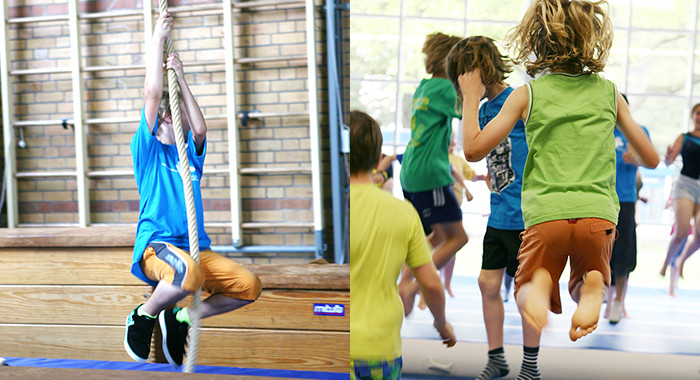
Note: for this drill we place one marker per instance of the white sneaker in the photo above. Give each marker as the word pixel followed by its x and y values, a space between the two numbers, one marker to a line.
pixel 615 312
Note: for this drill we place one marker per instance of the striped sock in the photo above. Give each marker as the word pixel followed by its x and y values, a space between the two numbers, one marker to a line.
pixel 529 369
pixel 496 366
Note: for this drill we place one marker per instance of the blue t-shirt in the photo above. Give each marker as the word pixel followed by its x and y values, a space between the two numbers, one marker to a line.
pixel 626 177
pixel 506 163
pixel 162 209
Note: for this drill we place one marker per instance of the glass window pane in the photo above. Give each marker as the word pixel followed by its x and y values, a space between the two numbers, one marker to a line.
pixel 619 12
pixel 504 10
pixel 666 14
pixel 664 117
pixel 436 8
pixel 378 99
pixel 658 62
pixel 496 31
pixel 615 68
pixel 374 47
pixel 376 7
pixel 414 33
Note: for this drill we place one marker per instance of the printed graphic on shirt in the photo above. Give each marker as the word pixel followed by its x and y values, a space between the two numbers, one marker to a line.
pixel 500 166
pixel 193 172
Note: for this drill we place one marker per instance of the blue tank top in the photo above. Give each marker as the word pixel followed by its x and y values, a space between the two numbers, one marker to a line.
pixel 690 152
pixel 506 164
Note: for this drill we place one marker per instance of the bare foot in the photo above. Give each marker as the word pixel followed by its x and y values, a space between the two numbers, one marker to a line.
pixel 679 264
pixel 421 303
pixel 533 299
pixel 407 291
pixel 449 291
pixel 663 271
pixel 585 319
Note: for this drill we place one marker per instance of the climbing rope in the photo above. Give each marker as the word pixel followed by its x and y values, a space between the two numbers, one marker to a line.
pixel 174 91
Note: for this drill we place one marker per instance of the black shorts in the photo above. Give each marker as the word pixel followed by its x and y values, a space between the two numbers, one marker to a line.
pixel 435 206
pixel 624 253
pixel 501 249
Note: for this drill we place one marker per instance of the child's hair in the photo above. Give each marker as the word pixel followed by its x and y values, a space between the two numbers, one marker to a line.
pixel 477 52
pixel 435 48
pixel 365 142
pixel 164 106
pixel 564 36
pixel 695 107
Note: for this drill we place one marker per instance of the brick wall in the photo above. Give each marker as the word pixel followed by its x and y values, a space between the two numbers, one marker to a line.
pixel 198 36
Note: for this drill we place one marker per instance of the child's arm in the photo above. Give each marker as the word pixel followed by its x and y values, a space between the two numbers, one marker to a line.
pixel 431 288
pixel 191 113
pixel 636 136
pixel 674 150
pixel 478 143
pixel 153 82
pixel 459 178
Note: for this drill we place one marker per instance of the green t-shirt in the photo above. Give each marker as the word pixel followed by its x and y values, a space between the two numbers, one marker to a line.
pixel 425 164
pixel 384 233
pixel 570 168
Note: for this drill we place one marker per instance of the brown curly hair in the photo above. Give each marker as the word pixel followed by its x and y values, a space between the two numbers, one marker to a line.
pixel 477 52
pixel 436 47
pixel 570 36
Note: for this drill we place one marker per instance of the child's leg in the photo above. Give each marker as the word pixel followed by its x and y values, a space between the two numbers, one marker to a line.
pixel 231 286
pixel 177 275
pixel 447 271
pixel 534 299
pixel 683 211
pixel 531 346
pixel 592 244
pixel 455 239
pixel 589 292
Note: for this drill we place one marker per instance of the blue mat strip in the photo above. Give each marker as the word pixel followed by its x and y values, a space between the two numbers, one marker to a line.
pixel 164 367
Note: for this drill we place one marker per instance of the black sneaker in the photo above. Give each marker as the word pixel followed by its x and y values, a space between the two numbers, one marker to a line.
pixel 137 340
pixel 174 336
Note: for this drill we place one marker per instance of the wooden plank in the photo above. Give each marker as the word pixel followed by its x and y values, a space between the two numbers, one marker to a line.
pixel 111 266
pixel 296 350
pixel 272 349
pixel 67 266
pixel 109 305
pixel 93 236
pixel 303 276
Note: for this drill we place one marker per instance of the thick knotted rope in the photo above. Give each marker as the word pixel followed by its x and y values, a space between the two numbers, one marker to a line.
pixel 174 90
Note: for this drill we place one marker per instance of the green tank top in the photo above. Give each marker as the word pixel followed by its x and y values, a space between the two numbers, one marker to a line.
pixel 570 168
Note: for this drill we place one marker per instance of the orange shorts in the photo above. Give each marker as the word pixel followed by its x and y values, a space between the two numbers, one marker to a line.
pixel 587 241
pixel 215 274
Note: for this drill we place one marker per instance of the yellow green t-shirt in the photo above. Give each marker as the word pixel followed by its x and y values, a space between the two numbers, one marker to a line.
pixel 385 233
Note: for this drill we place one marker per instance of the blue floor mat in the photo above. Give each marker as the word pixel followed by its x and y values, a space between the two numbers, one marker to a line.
pixel 161 367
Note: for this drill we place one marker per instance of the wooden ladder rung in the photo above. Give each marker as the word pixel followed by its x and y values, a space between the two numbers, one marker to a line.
pixel 293 170
pixel 262 115
pixel 110 14
pixel 255 225
pixel 271 59
pixel 47 70
pixel 265 3
pixel 52 174
pixel 24 20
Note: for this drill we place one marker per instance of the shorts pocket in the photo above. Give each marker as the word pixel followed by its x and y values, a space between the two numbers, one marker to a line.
pixel 602 225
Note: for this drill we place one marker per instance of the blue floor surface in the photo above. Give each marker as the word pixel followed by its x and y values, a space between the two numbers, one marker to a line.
pixel 158 367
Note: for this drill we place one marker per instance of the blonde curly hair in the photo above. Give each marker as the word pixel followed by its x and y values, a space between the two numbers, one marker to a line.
pixel 570 36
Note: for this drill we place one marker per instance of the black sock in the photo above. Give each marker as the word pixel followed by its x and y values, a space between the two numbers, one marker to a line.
pixel 529 369
pixel 496 366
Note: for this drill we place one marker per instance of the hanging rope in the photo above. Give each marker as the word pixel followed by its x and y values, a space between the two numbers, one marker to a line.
pixel 174 91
